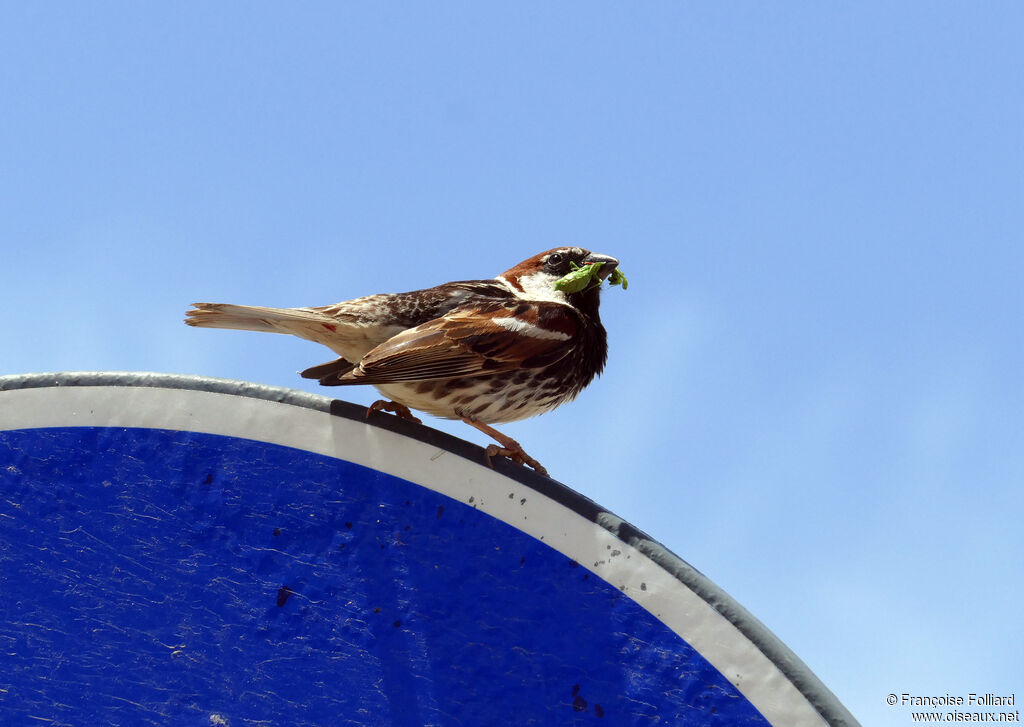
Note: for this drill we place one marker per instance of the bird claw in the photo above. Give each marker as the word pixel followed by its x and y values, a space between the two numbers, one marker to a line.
pixel 509 447
pixel 400 410
pixel 516 455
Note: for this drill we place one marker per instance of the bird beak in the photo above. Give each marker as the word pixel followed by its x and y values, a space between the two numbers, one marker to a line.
pixel 608 264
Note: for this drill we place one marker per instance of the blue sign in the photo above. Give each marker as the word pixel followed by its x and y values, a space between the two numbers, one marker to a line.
pixel 169 555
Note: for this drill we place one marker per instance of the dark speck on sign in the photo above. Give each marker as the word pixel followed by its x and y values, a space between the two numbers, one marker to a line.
pixel 283 594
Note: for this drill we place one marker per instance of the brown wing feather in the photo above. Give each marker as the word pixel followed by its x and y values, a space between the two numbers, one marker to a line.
pixel 328 373
pixel 471 342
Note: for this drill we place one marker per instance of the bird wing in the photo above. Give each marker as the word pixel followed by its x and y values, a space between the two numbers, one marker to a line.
pixel 328 373
pixel 472 341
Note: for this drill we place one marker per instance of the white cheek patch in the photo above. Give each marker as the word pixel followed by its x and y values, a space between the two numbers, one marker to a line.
pixel 540 286
pixel 528 329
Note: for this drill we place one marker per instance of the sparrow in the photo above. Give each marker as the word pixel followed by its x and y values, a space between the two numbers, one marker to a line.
pixel 483 351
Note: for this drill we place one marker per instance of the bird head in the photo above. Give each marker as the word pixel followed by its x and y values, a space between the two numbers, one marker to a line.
pixel 563 274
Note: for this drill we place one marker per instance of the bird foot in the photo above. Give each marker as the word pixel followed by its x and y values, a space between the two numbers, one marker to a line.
pixel 400 410
pixel 509 448
pixel 516 454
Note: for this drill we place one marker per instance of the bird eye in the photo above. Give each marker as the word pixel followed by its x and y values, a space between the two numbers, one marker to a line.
pixel 555 259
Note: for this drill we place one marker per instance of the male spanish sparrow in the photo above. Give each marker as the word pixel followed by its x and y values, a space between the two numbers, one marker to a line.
pixel 483 351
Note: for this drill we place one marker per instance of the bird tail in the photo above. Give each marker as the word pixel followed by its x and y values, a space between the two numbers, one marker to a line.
pixel 256 318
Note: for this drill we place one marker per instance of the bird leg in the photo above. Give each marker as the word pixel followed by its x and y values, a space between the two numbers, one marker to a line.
pixel 509 447
pixel 401 410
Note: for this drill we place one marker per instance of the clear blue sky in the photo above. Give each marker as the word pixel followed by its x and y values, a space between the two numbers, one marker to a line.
pixel 814 392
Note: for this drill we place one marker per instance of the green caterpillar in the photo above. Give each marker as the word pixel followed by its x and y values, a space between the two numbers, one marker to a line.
pixel 586 276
